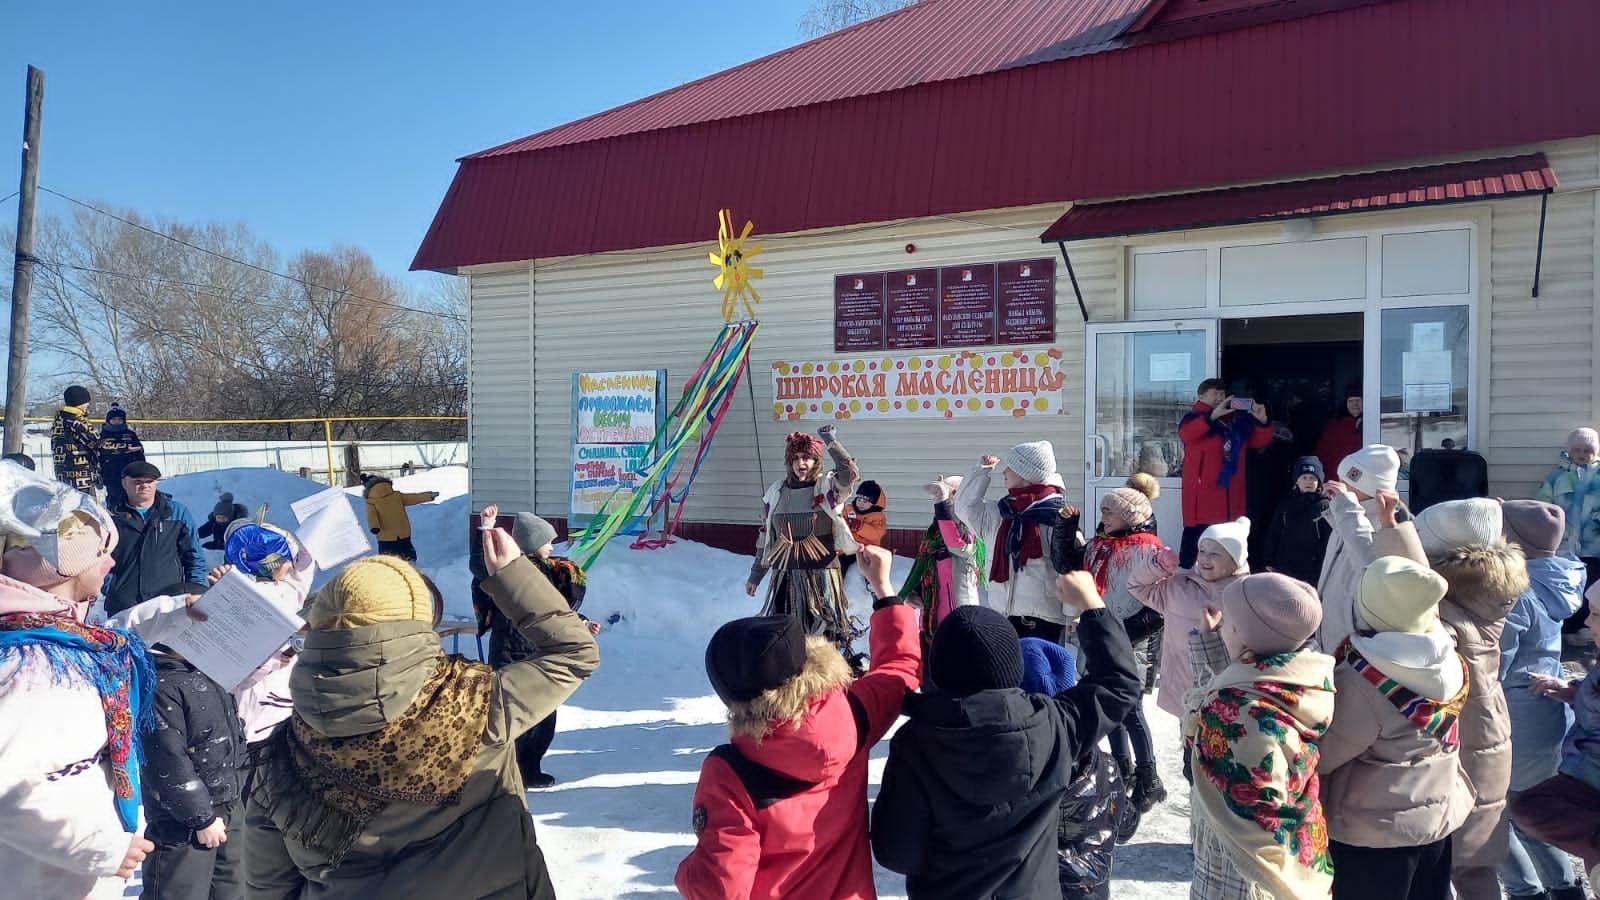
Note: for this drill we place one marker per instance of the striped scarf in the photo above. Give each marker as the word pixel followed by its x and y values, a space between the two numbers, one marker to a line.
pixel 1439 718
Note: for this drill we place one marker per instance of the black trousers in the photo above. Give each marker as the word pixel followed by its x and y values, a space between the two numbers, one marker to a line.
pixel 1391 873
pixel 1028 626
pixel 401 548
pixel 180 869
pixel 532 746
pixel 1189 547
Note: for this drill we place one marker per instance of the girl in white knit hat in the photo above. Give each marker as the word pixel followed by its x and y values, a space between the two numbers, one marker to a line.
pixel 1018 530
pixel 1368 521
pixel 1182 596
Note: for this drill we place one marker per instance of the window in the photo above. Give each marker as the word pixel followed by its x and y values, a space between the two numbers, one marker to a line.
pixel 1425 381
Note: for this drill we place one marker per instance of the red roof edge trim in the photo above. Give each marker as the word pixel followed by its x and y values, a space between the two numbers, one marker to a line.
pixel 1437 185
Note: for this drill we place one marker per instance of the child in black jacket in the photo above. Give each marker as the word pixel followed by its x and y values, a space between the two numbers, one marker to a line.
pixel 1298 536
pixel 191 787
pixel 535 537
pixel 1095 803
pixel 972 791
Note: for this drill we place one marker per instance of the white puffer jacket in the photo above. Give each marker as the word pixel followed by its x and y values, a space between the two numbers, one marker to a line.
pixel 1030 592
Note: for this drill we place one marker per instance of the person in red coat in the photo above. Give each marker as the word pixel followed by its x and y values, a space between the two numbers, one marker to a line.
pixel 782 810
pixel 1215 438
pixel 1342 435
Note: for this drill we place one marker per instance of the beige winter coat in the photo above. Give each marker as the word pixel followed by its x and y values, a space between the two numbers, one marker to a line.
pixel 1353 546
pixel 1484 584
pixel 1385 782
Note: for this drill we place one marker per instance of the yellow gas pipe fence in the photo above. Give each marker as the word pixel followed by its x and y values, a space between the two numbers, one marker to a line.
pixel 327 427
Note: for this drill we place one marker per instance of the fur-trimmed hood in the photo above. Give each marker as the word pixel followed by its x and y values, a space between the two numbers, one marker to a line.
pixel 804 728
pixel 1485 580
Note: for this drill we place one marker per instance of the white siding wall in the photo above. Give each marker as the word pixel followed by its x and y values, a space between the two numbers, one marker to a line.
pixel 501 399
pixel 659 309
pixel 1542 352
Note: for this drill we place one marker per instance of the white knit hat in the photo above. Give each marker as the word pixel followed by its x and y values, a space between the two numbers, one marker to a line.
pixel 1034 462
pixel 1371 469
pixel 1460 523
pixel 1235 538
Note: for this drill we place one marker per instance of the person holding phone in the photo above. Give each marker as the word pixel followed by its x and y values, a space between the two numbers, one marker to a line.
pixel 1216 432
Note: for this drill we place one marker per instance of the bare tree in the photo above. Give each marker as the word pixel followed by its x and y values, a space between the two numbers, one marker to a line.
pixel 134 310
pixel 825 16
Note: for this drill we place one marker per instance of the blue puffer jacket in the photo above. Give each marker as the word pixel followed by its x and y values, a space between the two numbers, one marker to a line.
pixel 1531 641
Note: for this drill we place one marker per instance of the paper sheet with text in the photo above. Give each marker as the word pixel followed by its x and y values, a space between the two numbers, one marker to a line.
pixel 244 626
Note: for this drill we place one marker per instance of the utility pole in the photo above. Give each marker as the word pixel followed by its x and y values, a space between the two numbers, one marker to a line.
pixel 22 273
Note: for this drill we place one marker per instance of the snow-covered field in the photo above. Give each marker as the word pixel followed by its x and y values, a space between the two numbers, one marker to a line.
pixel 631 741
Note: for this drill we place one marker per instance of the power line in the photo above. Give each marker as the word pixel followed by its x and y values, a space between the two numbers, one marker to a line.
pixel 232 361
pixel 201 286
pixel 247 264
pixel 9 196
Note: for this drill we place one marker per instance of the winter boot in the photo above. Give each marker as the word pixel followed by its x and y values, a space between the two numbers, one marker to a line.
pixel 1147 788
pixel 1128 819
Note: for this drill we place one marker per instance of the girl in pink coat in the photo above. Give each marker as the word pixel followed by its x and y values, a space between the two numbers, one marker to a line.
pixel 1182 595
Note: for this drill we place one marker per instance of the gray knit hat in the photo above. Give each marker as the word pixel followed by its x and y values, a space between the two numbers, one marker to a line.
pixel 531 532
pixel 1035 461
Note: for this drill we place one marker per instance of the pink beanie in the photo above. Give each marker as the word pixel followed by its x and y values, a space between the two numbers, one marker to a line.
pixel 1271 613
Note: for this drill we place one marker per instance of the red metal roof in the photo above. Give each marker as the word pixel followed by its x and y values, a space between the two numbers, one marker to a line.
pixel 1423 186
pixel 1360 87
pixel 934 40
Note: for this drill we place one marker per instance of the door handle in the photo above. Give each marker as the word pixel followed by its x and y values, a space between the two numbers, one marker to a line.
pixel 1099 454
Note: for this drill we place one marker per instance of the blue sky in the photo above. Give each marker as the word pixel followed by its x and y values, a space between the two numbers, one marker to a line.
pixel 336 121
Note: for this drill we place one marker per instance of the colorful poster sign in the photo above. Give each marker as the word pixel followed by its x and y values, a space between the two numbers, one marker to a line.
pixel 857 312
pixel 934 385
pixel 913 310
pixel 1027 297
pixel 973 305
pixel 615 417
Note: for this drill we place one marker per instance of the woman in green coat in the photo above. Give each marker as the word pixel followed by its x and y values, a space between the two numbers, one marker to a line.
pixel 375 788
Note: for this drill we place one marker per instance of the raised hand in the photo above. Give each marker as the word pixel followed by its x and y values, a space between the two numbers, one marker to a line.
pixel 875 562
pixel 989 462
pixel 499 550
pixel 1388 505
pixel 1210 619
pixel 1167 560
pixel 1076 591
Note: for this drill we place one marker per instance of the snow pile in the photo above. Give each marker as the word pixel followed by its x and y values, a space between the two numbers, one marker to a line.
pixel 438 529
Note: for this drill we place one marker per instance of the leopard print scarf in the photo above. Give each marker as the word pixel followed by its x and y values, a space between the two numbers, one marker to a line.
pixel 322 791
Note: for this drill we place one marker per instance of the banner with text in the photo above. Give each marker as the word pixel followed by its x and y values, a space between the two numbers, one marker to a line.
pixel 615 417
pixel 932 385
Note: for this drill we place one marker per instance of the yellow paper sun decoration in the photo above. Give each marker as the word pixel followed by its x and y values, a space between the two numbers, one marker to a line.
pixel 735 276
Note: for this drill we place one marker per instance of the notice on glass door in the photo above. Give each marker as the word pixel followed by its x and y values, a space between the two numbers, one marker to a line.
pixel 967 306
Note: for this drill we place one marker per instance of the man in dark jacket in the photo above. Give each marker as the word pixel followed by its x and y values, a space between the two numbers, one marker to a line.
pixel 1297 539
pixel 191 786
pixel 119 445
pixel 156 551
pixel 74 447
pixel 972 791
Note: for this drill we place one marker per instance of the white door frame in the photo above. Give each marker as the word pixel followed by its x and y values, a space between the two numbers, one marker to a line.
pixel 1096 445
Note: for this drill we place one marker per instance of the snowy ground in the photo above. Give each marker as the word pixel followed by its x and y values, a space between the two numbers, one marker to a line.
pixel 631 741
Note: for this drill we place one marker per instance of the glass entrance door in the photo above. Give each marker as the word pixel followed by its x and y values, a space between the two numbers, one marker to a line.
pixel 1142 379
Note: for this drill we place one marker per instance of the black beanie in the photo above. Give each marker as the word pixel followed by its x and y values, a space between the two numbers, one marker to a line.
pixel 77 395
pixel 749 656
pixel 975 649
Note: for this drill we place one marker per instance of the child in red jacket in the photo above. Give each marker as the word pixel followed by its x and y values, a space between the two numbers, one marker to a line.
pixel 794 777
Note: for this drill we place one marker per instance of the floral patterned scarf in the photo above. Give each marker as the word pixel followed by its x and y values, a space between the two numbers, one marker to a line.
pixel 117 664
pixel 1255 765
